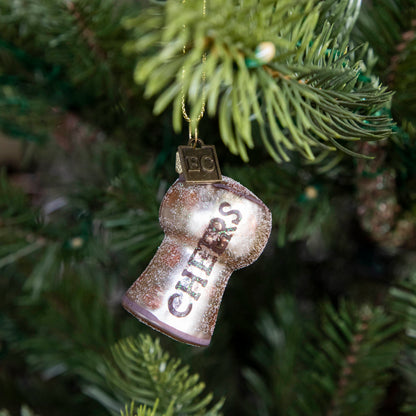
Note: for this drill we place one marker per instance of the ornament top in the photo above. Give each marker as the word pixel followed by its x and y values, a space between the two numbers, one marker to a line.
pixel 187 208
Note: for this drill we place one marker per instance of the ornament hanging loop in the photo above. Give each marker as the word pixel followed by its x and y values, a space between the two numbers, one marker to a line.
pixel 195 141
pixel 193 123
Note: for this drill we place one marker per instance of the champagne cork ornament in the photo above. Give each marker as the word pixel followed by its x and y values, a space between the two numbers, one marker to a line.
pixel 211 229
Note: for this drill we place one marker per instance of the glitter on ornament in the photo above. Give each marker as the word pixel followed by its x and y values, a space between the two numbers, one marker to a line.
pixel 210 231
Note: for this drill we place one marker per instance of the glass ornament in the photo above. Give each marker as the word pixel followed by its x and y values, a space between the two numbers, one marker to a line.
pixel 211 229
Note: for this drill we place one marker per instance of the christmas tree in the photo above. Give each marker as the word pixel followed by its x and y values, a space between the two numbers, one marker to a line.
pixel 310 105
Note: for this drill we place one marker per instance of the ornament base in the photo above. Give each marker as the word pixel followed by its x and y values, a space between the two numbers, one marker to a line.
pixel 148 318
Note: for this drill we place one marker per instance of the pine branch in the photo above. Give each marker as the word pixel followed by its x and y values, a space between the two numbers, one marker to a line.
pixel 389 28
pixel 72 281
pixel 125 223
pixel 307 98
pixel 144 410
pixel 403 305
pixel 84 28
pixel 282 340
pixel 142 372
pixel 73 325
pixel 20 232
pixel 67 55
pixel 130 213
pixel 353 362
pixel 87 34
pixel 340 14
pixel 408 370
pixel 342 368
pixel 382 24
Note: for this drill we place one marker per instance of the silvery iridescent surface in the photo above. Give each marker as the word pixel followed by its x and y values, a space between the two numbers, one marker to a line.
pixel 210 231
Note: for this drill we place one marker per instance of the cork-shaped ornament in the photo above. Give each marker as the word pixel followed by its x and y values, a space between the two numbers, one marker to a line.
pixel 212 227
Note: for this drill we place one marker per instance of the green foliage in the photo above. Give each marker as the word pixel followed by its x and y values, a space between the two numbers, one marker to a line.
pixel 21 111
pixel 130 213
pixel 381 23
pixel 15 213
pixel 408 371
pixel 126 220
pixel 282 341
pixel 143 372
pixel 71 35
pixel 58 56
pixel 25 411
pixel 144 410
pixel 14 204
pixel 307 99
pixel 403 303
pixel 64 269
pixel 352 364
pixel 342 368
pixel 388 26
pixel 342 15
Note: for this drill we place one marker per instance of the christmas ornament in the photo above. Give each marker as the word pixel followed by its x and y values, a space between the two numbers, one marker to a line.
pixel 213 226
pixel 211 229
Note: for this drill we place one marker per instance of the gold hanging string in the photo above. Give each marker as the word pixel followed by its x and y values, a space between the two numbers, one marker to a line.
pixel 195 122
